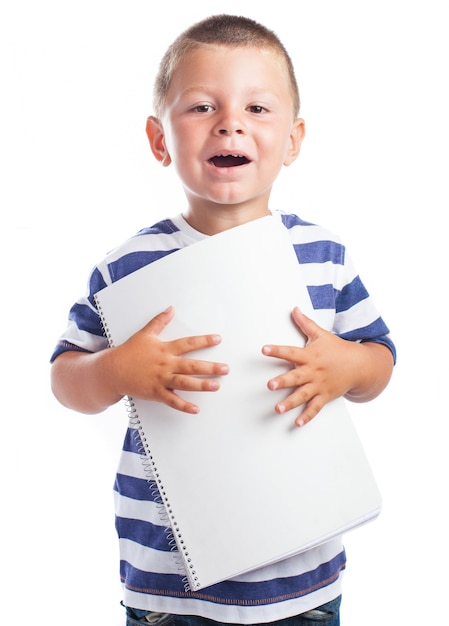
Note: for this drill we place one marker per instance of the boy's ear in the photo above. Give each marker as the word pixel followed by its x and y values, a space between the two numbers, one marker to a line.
pixel 297 134
pixel 156 137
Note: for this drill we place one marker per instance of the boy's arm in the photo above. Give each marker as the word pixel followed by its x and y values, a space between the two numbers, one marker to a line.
pixel 83 381
pixel 143 367
pixel 329 367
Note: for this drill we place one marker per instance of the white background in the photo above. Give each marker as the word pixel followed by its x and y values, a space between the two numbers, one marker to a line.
pixel 77 177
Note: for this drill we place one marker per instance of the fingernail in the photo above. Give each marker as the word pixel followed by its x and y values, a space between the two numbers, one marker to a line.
pixel 266 350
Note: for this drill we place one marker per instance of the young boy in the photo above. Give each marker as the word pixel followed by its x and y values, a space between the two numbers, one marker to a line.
pixel 226 104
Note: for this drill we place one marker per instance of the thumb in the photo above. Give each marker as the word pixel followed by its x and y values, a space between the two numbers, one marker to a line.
pixel 306 325
pixel 160 321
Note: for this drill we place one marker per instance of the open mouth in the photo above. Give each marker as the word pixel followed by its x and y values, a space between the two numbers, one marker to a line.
pixel 228 160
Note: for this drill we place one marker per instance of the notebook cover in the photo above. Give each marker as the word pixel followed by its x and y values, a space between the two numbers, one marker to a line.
pixel 242 487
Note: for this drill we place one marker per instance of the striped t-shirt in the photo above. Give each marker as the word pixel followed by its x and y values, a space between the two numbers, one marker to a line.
pixel 149 570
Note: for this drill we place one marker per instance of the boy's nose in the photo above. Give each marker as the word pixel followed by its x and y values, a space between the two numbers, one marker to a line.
pixel 229 122
pixel 229 130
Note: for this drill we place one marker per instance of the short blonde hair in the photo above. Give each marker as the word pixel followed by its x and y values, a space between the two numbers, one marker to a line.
pixel 223 30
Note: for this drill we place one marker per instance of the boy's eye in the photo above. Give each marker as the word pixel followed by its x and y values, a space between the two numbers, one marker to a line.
pixel 202 108
pixel 256 108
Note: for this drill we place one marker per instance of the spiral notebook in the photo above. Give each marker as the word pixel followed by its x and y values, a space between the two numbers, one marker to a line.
pixel 242 486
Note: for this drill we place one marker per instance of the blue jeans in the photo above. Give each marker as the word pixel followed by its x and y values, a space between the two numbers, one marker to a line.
pixel 325 615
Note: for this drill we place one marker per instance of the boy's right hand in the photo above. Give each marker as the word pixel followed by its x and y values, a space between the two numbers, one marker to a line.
pixel 148 368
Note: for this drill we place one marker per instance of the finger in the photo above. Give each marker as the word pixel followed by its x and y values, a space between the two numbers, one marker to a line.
pixel 160 321
pixel 306 325
pixel 186 383
pixel 185 345
pixel 309 413
pixel 311 407
pixel 299 397
pixel 190 383
pixel 293 354
pixel 195 367
pixel 171 399
pixel 293 378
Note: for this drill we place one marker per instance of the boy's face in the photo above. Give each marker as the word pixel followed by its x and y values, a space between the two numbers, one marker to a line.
pixel 228 126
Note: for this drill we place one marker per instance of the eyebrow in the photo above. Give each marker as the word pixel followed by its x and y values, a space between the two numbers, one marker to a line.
pixel 250 92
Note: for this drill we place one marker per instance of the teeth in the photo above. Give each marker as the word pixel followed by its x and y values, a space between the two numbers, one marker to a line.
pixel 232 155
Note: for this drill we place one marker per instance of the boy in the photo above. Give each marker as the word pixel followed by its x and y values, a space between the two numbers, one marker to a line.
pixel 226 116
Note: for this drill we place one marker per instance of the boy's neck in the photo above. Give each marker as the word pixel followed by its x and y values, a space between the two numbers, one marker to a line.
pixel 213 220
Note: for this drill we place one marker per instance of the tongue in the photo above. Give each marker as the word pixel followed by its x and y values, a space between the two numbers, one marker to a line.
pixel 228 161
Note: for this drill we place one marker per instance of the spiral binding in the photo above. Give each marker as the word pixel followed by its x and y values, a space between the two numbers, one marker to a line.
pixel 172 530
pixel 158 494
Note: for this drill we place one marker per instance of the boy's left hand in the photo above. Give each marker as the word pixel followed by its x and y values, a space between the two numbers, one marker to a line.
pixel 325 369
